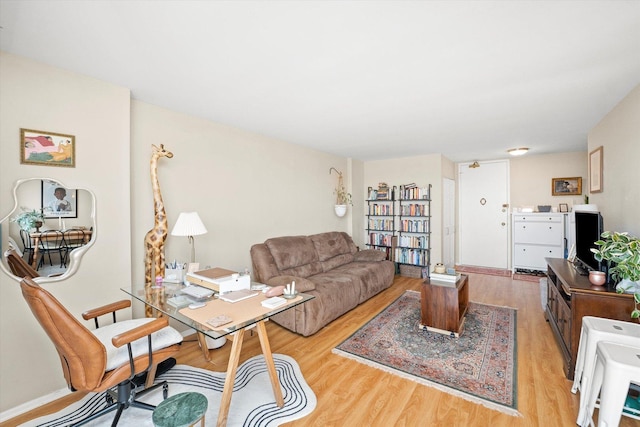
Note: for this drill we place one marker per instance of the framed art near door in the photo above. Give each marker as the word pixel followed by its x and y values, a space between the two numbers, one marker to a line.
pixel 595 170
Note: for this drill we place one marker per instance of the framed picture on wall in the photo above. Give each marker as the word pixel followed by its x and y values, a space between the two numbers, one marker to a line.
pixel 44 148
pixel 566 186
pixel 57 201
pixel 595 170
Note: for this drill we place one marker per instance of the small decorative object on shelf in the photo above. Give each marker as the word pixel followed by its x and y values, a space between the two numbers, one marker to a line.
pixel 597 279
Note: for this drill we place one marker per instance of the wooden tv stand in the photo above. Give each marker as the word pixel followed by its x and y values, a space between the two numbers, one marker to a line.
pixel 569 298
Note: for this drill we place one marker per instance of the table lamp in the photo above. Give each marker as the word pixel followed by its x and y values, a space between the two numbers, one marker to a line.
pixel 189 224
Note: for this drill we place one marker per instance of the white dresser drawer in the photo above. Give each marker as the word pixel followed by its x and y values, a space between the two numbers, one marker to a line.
pixel 532 257
pixel 551 233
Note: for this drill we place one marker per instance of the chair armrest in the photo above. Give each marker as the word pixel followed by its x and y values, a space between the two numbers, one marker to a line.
pixel 109 308
pixel 139 332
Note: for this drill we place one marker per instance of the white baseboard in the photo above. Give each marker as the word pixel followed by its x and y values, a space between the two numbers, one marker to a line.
pixel 33 404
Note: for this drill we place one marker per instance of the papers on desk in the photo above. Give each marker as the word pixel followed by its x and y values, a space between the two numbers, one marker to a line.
pixel 197 292
pixel 240 295
pixel 220 280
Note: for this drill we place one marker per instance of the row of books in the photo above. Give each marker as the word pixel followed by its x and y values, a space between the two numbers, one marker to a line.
pixel 381 209
pixel 418 242
pixel 414 226
pixel 380 239
pixel 381 224
pixel 411 256
pixel 414 209
pixel 413 192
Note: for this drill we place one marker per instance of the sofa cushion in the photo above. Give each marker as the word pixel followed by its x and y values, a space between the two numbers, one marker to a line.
pixel 369 255
pixel 329 245
pixel 336 261
pixel 292 251
pixel 302 284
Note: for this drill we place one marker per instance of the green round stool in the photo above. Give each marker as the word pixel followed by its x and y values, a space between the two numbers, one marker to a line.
pixel 181 410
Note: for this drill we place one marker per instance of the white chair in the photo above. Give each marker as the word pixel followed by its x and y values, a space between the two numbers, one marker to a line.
pixel 617 367
pixel 594 330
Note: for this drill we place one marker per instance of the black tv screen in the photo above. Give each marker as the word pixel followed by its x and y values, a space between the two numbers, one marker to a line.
pixel 588 230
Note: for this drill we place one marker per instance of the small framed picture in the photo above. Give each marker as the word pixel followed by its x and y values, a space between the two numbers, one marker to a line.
pixel 57 201
pixel 595 170
pixel 44 148
pixel 564 207
pixel 566 186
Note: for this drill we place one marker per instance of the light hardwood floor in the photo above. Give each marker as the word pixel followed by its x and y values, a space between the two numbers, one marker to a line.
pixel 352 394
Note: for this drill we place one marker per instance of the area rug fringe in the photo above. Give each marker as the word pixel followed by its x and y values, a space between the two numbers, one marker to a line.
pixel 440 387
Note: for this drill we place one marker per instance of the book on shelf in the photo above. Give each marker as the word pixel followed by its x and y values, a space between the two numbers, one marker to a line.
pixel 445 277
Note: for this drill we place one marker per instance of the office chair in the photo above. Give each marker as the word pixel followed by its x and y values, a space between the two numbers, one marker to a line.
pixel 18 266
pixel 108 358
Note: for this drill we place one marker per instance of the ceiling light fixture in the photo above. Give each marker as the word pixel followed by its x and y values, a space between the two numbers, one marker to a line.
pixel 518 151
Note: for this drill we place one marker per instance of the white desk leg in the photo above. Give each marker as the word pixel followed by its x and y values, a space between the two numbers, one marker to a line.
pixel 271 367
pixel 232 367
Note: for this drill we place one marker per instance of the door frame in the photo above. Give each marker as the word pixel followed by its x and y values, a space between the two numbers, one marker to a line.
pixel 508 203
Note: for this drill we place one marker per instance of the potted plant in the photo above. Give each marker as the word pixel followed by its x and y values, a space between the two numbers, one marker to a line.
pixel 343 198
pixel 29 219
pixel 622 255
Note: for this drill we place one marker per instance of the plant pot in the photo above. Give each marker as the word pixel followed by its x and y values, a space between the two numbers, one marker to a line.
pixel 597 278
pixel 341 210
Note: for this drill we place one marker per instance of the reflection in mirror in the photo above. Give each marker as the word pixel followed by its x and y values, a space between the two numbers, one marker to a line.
pixel 50 227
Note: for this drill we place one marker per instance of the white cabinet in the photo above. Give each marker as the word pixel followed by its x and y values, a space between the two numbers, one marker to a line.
pixel 537 236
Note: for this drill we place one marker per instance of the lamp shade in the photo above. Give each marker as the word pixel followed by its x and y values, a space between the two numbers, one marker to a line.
pixel 188 224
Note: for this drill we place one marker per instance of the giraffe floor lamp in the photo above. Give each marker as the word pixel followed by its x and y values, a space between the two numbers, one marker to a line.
pixel 189 224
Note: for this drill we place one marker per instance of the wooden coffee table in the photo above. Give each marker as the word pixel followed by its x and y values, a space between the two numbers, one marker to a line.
pixel 444 305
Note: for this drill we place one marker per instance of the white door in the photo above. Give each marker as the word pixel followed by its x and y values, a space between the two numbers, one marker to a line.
pixel 483 202
pixel 448 222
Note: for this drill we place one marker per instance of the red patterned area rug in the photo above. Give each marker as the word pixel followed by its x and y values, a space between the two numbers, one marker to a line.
pixel 480 365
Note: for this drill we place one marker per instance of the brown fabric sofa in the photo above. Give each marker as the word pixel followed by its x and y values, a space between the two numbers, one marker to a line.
pixel 326 265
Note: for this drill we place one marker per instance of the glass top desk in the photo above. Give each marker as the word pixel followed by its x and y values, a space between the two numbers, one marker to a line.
pixel 243 313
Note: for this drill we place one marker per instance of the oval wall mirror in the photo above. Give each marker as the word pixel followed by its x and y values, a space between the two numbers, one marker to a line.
pixel 50 228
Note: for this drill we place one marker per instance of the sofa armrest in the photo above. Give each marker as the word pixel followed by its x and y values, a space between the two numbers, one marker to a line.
pixel 369 255
pixel 302 284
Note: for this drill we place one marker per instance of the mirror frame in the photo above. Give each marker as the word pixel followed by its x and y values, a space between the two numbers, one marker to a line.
pixel 75 255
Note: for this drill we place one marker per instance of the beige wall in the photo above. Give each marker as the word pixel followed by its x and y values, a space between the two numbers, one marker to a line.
pixel 245 187
pixel 36 96
pixel 619 135
pixel 530 182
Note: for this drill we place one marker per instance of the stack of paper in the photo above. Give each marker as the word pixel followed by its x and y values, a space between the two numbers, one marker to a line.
pixel 445 277
pixel 273 302
pixel 236 296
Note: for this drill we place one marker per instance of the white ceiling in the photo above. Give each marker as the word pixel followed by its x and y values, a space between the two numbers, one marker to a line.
pixel 362 79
